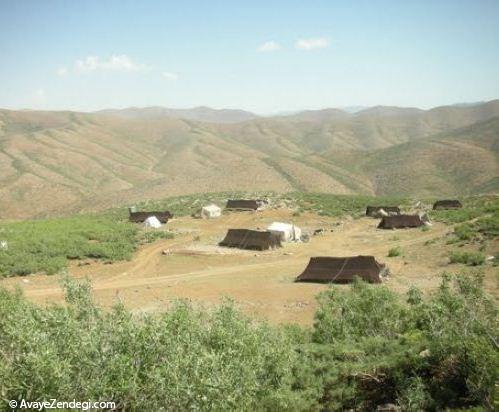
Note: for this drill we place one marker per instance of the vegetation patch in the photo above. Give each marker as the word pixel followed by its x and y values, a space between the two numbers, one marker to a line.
pixel 150 236
pixel 339 205
pixel 46 245
pixel 369 346
pixel 467 258
pixel 394 251
pixel 473 207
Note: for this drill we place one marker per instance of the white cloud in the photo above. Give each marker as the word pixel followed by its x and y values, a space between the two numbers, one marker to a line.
pixel 312 44
pixel 118 63
pixel 269 46
pixel 62 71
pixel 170 75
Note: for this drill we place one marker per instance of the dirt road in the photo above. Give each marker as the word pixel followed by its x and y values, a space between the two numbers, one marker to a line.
pixel 261 283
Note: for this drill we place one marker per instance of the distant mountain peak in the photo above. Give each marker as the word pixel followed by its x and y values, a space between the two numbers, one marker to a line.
pixel 199 113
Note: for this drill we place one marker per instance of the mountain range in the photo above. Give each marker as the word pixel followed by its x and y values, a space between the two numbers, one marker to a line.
pixel 56 162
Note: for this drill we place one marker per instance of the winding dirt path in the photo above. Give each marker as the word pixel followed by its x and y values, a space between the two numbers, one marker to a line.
pixel 261 283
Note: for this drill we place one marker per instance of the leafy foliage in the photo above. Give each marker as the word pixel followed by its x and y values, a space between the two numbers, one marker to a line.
pixel 370 348
pixel 467 258
pixel 46 245
pixel 183 359
pixel 367 347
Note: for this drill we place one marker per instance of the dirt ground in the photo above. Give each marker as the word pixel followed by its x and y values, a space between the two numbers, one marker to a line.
pixel 261 283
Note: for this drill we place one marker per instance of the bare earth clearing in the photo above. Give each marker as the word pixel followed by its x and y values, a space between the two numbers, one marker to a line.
pixel 261 283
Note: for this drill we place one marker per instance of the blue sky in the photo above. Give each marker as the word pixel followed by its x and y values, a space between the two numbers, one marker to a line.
pixel 263 56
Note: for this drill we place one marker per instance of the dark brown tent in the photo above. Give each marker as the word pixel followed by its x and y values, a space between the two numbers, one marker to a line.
pixel 342 269
pixel 373 210
pixel 139 217
pixel 400 221
pixel 251 239
pixel 447 204
pixel 243 204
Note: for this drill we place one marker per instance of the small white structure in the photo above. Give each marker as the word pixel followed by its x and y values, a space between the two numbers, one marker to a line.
pixel 4 245
pixel 211 211
pixel 153 222
pixel 289 232
pixel 380 213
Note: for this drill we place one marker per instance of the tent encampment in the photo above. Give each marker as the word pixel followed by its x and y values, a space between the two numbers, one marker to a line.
pixel 243 204
pixel 153 222
pixel 342 269
pixel 374 211
pixel 286 231
pixel 139 217
pixel 447 204
pixel 251 239
pixel 211 211
pixel 400 221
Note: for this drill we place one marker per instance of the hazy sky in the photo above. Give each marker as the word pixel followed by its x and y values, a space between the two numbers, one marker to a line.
pixel 264 56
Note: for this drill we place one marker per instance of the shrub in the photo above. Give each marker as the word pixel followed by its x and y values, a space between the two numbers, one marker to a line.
pixel 467 258
pixel 465 232
pixel 394 251
pixel 368 347
pixel 184 358
pixel 430 354
pixel 46 245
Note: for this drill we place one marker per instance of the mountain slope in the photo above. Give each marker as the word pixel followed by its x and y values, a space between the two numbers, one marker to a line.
pixel 55 162
pixel 463 161
pixel 202 114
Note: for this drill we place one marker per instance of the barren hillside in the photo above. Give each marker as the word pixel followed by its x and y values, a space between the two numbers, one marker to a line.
pixel 52 162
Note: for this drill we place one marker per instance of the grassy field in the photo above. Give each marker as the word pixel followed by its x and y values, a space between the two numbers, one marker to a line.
pixel 368 346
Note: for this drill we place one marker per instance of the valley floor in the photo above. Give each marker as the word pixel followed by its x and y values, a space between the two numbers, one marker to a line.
pixel 261 283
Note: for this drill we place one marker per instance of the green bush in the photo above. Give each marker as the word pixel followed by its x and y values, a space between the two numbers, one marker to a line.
pixel 46 245
pixel 183 359
pixel 394 251
pixel 465 232
pixel 467 258
pixel 367 347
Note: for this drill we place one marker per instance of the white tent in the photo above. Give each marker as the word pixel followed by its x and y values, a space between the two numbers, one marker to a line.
pixel 288 231
pixel 152 221
pixel 211 211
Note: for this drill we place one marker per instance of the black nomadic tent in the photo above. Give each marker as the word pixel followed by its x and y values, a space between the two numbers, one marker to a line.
pixel 391 210
pixel 447 204
pixel 139 217
pixel 400 221
pixel 243 204
pixel 342 269
pixel 251 239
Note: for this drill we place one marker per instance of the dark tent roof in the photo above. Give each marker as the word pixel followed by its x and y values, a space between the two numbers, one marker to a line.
pixel 243 204
pixel 251 239
pixel 400 221
pixel 372 210
pixel 447 204
pixel 342 269
pixel 139 217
